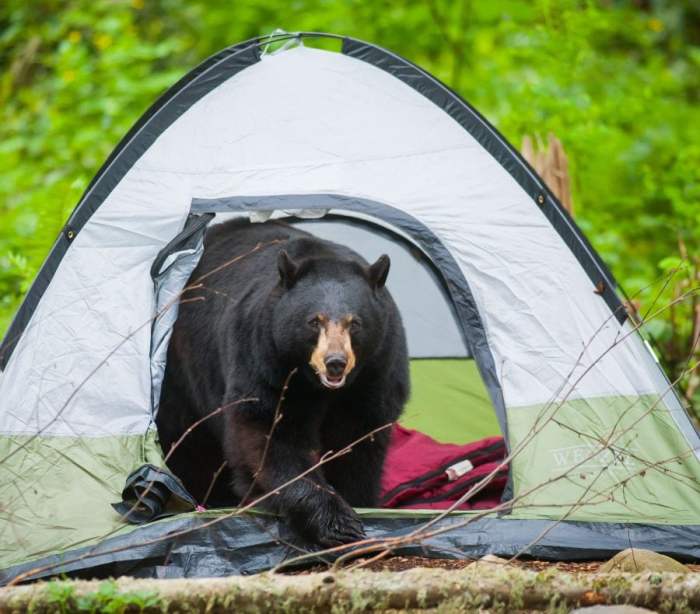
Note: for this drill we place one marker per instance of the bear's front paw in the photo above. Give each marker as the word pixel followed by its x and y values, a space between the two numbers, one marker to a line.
pixel 333 522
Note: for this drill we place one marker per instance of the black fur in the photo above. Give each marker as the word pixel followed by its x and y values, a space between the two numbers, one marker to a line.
pixel 243 337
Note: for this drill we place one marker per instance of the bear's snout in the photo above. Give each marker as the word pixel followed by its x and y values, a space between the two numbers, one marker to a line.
pixel 333 357
pixel 335 365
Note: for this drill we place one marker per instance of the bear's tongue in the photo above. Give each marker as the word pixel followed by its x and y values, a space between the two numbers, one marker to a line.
pixel 332 382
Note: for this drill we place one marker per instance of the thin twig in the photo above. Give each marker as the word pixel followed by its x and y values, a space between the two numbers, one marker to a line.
pixel 214 478
pixel 277 417
pixel 326 458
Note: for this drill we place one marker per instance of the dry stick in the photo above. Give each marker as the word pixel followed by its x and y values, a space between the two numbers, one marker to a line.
pixel 487 479
pixel 268 438
pixel 606 321
pixel 197 284
pixel 669 277
pixel 536 428
pixel 390 544
pixel 176 299
pixel 326 458
pixel 607 444
pixel 177 443
pixel 322 461
pixel 649 464
pixel 572 507
pixel 257 248
pixel 581 503
pixel 215 477
pixel 420 533
pixel 542 534
pixel 534 431
pixel 79 387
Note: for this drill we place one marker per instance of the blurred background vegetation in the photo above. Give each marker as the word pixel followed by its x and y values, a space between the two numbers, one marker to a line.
pixel 617 81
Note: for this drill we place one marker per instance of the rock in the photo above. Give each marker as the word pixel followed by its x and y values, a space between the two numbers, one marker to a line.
pixel 490 559
pixel 612 609
pixel 635 560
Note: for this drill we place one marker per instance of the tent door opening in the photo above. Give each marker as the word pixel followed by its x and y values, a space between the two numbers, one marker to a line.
pixel 449 400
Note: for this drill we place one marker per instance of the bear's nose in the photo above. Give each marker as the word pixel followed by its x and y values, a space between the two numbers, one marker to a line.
pixel 335 365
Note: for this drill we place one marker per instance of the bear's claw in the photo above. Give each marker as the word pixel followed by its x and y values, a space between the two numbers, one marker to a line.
pixel 334 523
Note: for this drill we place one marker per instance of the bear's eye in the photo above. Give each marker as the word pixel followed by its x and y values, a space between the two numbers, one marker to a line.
pixel 315 322
pixel 355 325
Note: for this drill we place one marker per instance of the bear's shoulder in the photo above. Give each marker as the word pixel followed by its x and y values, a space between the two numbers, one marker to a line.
pixel 240 231
pixel 309 247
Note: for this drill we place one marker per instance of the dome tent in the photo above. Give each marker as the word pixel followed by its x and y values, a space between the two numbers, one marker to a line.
pixel 510 295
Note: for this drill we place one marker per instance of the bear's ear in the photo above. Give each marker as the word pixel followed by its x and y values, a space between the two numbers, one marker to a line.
pixel 288 269
pixel 378 271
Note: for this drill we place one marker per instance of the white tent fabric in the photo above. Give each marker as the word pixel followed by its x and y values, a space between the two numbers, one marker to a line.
pixel 306 121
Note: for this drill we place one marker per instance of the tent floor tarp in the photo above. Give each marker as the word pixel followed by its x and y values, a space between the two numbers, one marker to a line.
pixel 215 544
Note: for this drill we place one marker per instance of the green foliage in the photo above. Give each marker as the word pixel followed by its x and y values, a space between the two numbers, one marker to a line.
pixel 618 81
pixel 59 595
pixel 108 598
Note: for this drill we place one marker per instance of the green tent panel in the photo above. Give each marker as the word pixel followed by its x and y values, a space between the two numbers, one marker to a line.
pixel 449 401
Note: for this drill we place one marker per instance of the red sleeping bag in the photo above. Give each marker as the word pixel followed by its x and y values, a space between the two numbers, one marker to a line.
pixel 420 472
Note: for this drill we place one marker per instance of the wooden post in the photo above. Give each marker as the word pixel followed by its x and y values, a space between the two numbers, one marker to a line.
pixel 551 163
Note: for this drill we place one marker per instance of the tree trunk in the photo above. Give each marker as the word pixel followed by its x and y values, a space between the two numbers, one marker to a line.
pixel 477 586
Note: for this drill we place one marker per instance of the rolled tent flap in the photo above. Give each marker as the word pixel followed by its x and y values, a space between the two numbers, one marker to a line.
pixel 150 493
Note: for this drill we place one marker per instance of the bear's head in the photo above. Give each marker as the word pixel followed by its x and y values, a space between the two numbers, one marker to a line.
pixel 330 317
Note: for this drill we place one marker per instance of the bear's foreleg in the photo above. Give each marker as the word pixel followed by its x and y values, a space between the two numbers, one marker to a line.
pixel 357 474
pixel 313 507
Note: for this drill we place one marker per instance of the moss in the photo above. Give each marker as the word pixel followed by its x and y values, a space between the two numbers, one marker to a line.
pixel 674 606
pixel 517 592
pixel 422 598
pixel 617 587
pixel 557 608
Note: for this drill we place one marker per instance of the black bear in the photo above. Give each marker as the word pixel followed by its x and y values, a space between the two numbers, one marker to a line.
pixel 266 301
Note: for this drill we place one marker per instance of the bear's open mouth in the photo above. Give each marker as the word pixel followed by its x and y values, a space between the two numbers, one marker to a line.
pixel 332 382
